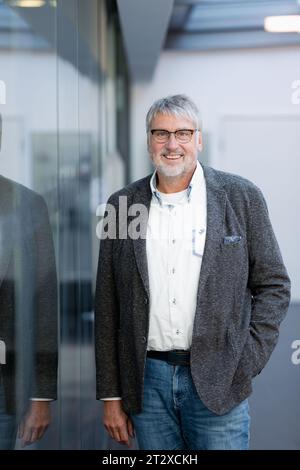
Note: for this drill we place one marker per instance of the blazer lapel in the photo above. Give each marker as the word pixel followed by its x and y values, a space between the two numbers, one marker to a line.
pixel 216 202
pixel 143 196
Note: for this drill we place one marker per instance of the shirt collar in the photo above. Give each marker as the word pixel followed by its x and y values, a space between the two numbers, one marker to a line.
pixel 196 181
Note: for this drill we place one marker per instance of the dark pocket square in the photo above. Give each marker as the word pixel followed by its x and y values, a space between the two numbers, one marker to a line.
pixel 232 239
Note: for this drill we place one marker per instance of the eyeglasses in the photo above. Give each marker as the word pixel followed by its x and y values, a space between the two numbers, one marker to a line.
pixel 183 136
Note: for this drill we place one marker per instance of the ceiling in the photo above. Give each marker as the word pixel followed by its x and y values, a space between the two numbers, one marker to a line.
pixel 224 24
pixel 148 27
pixel 197 25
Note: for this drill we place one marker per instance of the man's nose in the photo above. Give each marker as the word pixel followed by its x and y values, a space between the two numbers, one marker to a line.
pixel 172 142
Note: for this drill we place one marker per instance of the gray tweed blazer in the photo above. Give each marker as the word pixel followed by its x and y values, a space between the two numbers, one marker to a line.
pixel 243 295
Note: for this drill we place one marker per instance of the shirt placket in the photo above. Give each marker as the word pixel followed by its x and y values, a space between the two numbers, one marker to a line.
pixel 173 246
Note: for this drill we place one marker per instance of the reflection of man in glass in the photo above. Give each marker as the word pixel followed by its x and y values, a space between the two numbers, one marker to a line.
pixel 28 315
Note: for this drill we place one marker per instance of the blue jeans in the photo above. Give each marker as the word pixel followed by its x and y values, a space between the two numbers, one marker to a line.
pixel 174 417
pixel 8 427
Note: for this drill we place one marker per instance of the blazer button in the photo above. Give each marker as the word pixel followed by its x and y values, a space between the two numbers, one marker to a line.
pixel 144 339
pixel 146 300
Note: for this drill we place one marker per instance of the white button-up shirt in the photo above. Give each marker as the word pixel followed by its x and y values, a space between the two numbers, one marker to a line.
pixel 175 242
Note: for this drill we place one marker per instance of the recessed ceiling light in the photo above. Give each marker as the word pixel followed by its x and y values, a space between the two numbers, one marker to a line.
pixel 282 24
pixel 27 3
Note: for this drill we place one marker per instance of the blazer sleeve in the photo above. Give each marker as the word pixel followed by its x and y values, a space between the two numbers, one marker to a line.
pixel 106 323
pixel 269 284
pixel 45 305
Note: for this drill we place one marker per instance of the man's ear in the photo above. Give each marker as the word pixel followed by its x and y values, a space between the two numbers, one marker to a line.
pixel 148 142
pixel 199 141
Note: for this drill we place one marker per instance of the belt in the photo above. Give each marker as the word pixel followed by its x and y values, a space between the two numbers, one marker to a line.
pixel 176 357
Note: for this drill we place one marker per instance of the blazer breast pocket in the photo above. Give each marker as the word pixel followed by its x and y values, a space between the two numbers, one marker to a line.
pixel 233 240
pixel 234 251
pixel 233 244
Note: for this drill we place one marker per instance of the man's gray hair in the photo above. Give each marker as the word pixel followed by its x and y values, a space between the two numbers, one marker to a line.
pixel 176 105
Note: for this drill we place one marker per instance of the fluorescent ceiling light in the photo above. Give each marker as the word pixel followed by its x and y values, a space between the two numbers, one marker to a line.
pixel 282 24
pixel 27 3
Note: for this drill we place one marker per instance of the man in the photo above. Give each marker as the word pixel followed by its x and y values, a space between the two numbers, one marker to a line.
pixel 188 312
pixel 28 315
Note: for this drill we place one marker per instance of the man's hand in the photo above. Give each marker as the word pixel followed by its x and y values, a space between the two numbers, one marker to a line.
pixel 35 422
pixel 117 423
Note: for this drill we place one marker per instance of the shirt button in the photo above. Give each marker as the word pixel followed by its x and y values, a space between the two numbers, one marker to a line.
pixel 173 270
pixel 174 301
pixel 177 332
pixel 173 241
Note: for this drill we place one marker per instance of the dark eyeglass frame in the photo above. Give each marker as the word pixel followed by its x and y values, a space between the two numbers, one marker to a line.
pixel 192 131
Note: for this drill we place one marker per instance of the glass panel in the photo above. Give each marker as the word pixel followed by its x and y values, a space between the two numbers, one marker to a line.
pixel 28 220
pixel 64 107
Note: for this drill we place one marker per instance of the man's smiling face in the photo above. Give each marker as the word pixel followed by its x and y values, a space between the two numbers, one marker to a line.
pixel 173 158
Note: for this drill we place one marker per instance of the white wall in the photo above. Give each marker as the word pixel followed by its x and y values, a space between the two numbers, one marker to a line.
pixel 245 84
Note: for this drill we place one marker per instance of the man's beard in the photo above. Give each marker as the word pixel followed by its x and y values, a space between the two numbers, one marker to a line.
pixel 183 166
